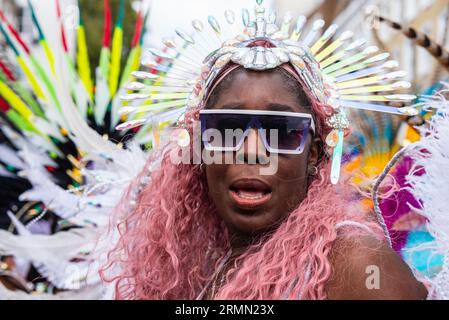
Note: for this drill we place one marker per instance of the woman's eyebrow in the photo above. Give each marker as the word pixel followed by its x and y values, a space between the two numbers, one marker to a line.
pixel 229 106
pixel 281 107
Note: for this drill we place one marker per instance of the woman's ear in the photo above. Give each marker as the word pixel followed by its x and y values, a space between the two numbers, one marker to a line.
pixel 314 154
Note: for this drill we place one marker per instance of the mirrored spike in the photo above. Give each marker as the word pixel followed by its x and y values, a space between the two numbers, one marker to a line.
pixel 372 80
pixel 379 98
pixel 130 124
pixel 402 85
pixel 370 50
pixel 126 111
pixel 324 38
pixel 300 23
pixel 188 58
pixel 148 62
pixel 199 28
pixel 317 26
pixel 349 69
pixel 285 28
pixel 370 107
pixel 142 75
pixel 135 86
pixel 408 111
pixel 330 32
pixel 376 88
pixel 356 44
pixel 169 96
pixel 170 43
pixel 135 96
pixel 214 24
pixel 168 82
pixel 230 16
pixel 154 96
pixel 161 105
pixel 167 88
pixel 329 50
pixel 160 54
pixel 171 115
pixel 368 71
pixel 245 17
pixel 394 75
pixel 260 11
pixel 346 35
pixel 184 36
pixel 352 59
pixel 259 2
pixel 358 66
pixel 377 58
pixel 401 97
pixel 178 70
pixel 198 25
pixel 336 56
pixel 164 82
pixel 390 64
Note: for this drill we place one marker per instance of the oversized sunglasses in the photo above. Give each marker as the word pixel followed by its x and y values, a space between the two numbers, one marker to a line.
pixel 226 130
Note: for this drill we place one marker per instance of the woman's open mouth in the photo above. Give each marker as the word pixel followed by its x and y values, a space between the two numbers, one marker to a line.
pixel 250 193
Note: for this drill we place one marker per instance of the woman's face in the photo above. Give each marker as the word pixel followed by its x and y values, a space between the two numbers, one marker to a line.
pixel 248 202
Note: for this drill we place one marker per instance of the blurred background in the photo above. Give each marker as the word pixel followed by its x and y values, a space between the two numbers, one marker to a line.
pixel 429 16
pixel 93 52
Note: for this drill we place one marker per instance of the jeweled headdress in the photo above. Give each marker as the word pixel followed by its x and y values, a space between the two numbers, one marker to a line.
pixel 337 71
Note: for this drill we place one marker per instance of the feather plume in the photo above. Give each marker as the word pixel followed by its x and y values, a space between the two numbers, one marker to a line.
pixel 422 40
pixel 429 178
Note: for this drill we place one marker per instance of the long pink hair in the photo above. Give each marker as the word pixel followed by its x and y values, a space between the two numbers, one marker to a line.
pixel 172 240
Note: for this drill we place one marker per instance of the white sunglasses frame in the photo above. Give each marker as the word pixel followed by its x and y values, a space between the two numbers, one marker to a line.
pixel 263 137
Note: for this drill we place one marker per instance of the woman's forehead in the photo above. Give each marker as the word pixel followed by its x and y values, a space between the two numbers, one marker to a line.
pixel 259 90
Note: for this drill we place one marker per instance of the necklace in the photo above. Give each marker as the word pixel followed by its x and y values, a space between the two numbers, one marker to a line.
pixel 213 280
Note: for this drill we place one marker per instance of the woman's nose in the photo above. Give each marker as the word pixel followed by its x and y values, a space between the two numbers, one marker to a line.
pixel 253 150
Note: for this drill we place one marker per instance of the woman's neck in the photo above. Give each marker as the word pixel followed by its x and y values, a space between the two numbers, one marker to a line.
pixel 240 243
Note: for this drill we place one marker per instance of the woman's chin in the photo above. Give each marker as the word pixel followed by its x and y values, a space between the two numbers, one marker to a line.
pixel 250 222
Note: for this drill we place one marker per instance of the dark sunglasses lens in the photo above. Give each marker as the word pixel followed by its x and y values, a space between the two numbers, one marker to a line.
pixel 223 130
pixel 291 131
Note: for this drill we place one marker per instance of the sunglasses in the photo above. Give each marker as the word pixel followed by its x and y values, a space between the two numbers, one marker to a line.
pixel 226 130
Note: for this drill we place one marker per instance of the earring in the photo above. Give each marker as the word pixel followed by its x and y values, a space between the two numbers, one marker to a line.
pixel 313 170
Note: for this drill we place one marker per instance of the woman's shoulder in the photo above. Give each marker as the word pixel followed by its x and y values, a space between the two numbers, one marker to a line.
pixel 365 267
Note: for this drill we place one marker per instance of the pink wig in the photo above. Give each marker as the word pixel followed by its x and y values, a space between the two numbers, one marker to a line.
pixel 172 239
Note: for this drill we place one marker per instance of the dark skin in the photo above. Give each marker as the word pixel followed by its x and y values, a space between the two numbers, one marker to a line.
pixel 350 258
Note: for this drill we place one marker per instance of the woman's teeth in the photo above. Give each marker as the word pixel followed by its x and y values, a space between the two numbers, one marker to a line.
pixel 252 195
pixel 250 199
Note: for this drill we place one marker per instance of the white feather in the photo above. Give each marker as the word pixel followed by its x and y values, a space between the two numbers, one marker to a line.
pixel 6 173
pixel 9 157
pixel 431 188
pixel 95 292
pixel 102 97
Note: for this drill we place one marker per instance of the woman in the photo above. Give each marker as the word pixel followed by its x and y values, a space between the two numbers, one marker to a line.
pixel 304 241
pixel 226 231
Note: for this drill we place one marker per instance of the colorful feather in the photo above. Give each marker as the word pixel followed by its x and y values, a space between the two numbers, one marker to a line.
pixel 42 40
pixel 102 91
pixel 116 54
pixel 83 58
